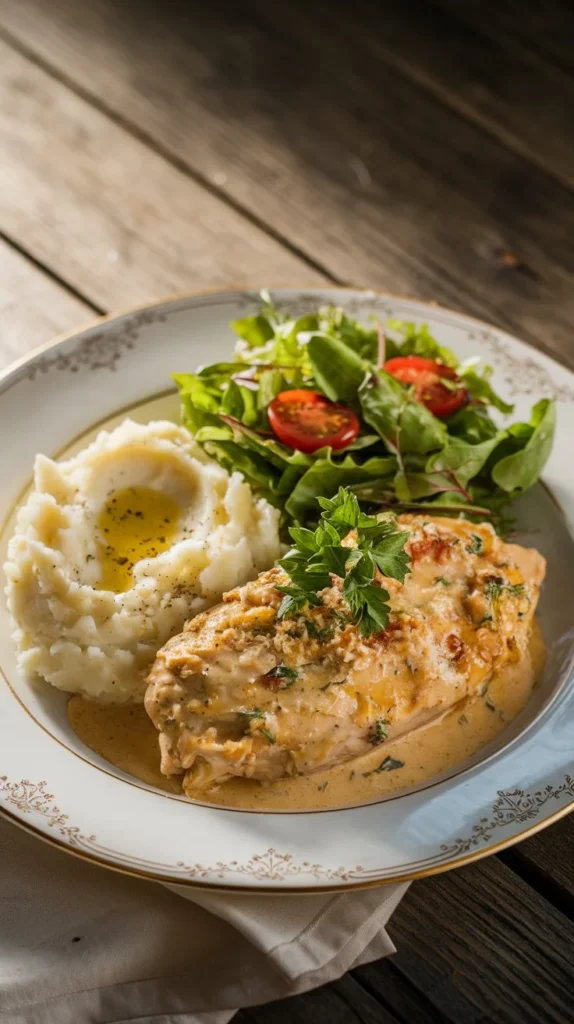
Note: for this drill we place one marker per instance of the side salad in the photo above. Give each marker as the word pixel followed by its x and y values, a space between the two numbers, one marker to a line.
pixel 311 404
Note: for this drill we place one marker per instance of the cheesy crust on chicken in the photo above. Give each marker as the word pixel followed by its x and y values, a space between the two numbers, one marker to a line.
pixel 242 692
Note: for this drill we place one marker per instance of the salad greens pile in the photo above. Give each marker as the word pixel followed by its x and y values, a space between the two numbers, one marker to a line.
pixel 403 459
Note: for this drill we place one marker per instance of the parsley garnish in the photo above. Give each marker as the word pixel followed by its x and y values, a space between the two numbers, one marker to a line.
pixel 256 714
pixel 390 764
pixel 282 671
pixel 495 587
pixel 326 633
pixel 477 545
pixel 441 579
pixel 319 554
pixel 250 715
pixel 379 732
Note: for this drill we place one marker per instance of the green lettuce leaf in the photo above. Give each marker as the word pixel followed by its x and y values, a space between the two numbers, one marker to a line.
pixel 472 424
pixel 258 472
pixel 479 387
pixel 338 371
pixel 362 340
pixel 404 424
pixel 521 469
pixel 241 403
pixel 324 477
pixel 416 340
pixel 255 330
pixel 463 460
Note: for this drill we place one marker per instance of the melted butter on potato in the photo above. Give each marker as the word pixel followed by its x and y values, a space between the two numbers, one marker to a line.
pixel 135 523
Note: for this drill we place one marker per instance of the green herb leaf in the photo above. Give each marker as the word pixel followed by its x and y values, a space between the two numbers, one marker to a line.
pixel 369 605
pixel 390 764
pixel 320 555
pixel 253 714
pixel 294 601
pixel 268 735
pixel 282 671
pixel 379 734
pixel 476 545
pixel 390 557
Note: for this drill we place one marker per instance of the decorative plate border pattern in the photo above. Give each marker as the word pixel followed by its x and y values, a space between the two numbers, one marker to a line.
pixel 510 808
pixel 31 797
pixel 99 351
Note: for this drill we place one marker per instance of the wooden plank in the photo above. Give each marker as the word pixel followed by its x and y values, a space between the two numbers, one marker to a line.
pixel 546 862
pixel 544 27
pixel 364 171
pixel 396 991
pixel 113 218
pixel 484 947
pixel 33 307
pixel 483 75
pixel 343 1002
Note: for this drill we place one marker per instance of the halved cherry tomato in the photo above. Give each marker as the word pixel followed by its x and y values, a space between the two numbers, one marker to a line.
pixel 426 377
pixel 306 420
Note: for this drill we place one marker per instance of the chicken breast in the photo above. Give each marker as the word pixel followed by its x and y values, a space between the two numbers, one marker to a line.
pixel 241 692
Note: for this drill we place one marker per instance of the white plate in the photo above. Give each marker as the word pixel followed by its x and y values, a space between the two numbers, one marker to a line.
pixel 53 785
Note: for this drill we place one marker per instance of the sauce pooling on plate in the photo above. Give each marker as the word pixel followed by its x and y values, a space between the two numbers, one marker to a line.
pixel 135 523
pixel 125 737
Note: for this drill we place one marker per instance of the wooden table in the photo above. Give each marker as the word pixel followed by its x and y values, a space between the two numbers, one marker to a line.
pixel 424 148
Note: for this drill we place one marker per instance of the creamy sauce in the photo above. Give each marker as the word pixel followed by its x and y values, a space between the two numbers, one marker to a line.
pixel 125 737
pixel 135 523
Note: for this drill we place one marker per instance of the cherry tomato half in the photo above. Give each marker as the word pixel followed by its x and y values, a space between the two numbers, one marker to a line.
pixel 306 420
pixel 426 376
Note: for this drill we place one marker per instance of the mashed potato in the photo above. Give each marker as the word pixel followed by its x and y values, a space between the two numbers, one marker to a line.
pixel 115 548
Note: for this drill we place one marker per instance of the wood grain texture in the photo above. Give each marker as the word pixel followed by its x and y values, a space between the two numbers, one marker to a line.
pixel 397 992
pixel 33 308
pixel 343 1002
pixel 484 947
pixel 120 223
pixel 545 28
pixel 356 166
pixel 504 89
pixel 546 860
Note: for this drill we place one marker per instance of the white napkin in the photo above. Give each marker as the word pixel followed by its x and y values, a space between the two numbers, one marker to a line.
pixel 81 945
